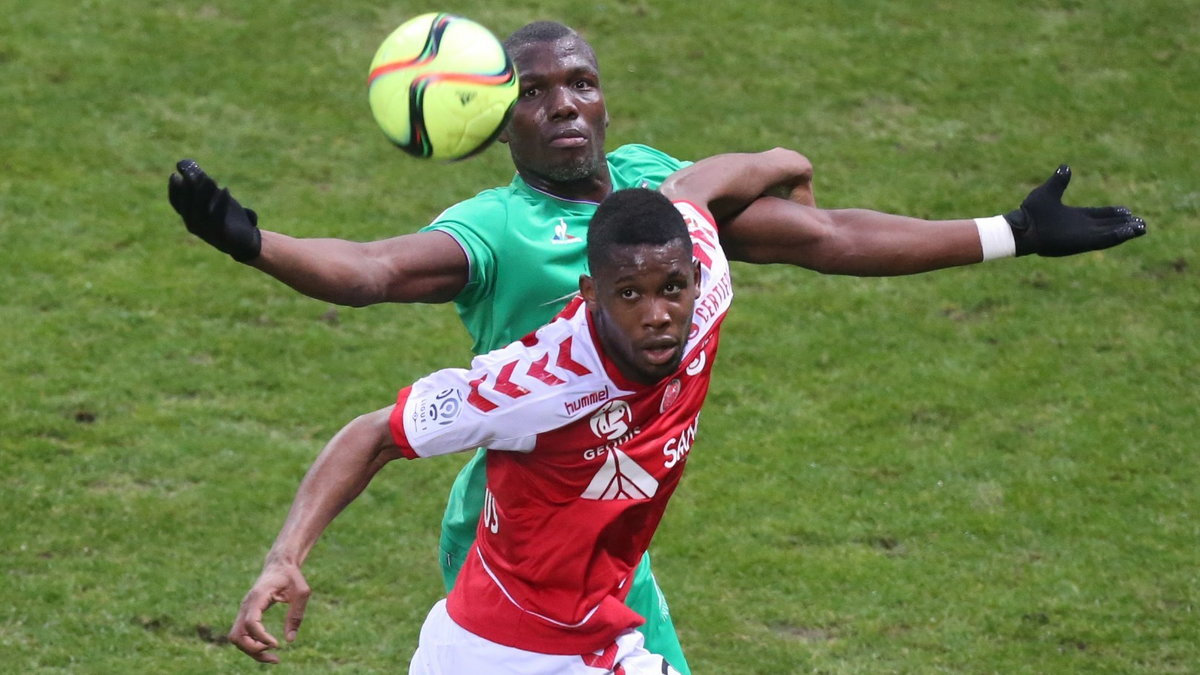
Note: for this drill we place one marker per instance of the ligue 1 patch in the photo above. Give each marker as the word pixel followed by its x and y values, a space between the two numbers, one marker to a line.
pixel 448 405
pixel 696 365
pixel 441 410
pixel 670 395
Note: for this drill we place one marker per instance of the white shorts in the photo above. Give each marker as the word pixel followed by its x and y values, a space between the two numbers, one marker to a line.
pixel 446 648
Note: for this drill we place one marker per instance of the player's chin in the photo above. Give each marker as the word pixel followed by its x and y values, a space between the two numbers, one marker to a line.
pixel 577 165
pixel 659 363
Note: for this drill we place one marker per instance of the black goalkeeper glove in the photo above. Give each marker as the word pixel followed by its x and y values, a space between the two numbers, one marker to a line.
pixel 1045 226
pixel 213 214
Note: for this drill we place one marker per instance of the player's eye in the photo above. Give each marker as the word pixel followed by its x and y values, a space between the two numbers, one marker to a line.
pixel 628 293
pixel 531 92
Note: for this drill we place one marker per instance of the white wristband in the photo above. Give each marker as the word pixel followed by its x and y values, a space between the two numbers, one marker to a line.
pixel 996 238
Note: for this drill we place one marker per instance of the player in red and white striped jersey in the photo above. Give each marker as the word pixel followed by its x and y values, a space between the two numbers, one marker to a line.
pixel 589 422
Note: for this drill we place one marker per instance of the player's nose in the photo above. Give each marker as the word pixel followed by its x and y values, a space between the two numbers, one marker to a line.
pixel 657 314
pixel 562 103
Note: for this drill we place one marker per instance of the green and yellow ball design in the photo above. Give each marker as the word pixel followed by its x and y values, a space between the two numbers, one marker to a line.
pixel 441 87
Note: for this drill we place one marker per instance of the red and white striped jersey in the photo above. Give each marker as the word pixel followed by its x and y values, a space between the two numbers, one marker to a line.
pixel 580 466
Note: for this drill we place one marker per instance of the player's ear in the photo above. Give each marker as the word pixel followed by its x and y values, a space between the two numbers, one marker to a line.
pixel 587 288
pixel 503 137
pixel 696 276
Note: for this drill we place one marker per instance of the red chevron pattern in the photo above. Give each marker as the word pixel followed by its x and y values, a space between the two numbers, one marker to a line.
pixel 565 361
pixel 505 385
pixel 476 399
pixel 538 372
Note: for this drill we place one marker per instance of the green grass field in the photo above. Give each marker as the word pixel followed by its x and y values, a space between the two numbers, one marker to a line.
pixel 982 470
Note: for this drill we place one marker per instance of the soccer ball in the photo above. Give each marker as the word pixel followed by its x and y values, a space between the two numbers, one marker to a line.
pixel 441 86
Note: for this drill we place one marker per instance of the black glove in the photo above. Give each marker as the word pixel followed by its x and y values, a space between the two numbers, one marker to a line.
pixel 213 214
pixel 1045 226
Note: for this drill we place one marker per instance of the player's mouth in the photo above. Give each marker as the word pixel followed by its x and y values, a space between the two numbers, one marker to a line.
pixel 569 138
pixel 660 353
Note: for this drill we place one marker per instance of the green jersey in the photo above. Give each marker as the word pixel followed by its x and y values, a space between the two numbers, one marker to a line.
pixel 526 250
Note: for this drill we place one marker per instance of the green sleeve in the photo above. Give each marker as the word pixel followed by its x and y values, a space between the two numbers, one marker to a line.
pixel 462 221
pixel 636 165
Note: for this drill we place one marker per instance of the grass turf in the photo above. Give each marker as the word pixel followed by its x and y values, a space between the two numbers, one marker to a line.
pixel 979 470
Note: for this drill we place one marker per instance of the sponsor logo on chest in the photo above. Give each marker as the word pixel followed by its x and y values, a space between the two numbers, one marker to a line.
pixel 613 423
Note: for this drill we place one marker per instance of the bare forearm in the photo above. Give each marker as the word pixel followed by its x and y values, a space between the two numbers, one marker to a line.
pixel 340 473
pixel 852 241
pixel 326 269
pixel 421 267
pixel 881 244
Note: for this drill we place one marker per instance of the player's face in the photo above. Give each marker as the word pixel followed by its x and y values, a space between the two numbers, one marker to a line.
pixel 556 132
pixel 641 305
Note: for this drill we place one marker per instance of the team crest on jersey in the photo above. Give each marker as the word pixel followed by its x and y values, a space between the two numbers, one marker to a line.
pixel 672 393
pixel 612 420
pixel 561 236
pixel 441 410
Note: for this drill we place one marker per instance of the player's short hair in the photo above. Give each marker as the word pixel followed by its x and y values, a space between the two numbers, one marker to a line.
pixel 542 31
pixel 632 217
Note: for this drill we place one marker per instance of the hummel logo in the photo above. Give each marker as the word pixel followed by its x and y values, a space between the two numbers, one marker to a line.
pixel 572 407
pixel 621 478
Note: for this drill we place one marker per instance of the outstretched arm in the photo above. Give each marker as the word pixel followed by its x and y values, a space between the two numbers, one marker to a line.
pixel 868 243
pixel 420 267
pixel 850 241
pixel 340 473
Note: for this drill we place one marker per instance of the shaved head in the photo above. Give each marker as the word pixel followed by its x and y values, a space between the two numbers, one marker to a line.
pixel 539 31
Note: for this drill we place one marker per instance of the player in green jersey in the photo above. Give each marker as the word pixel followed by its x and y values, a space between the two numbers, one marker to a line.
pixel 509 257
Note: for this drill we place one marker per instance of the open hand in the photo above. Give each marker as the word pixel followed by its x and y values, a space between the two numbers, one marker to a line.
pixel 278 583
pixel 1047 227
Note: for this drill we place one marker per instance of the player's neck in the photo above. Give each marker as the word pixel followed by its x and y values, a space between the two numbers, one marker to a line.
pixel 593 188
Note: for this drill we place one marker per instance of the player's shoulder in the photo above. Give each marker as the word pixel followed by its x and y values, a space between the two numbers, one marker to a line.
pixel 636 154
pixel 557 362
pixel 490 206
pixel 566 339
